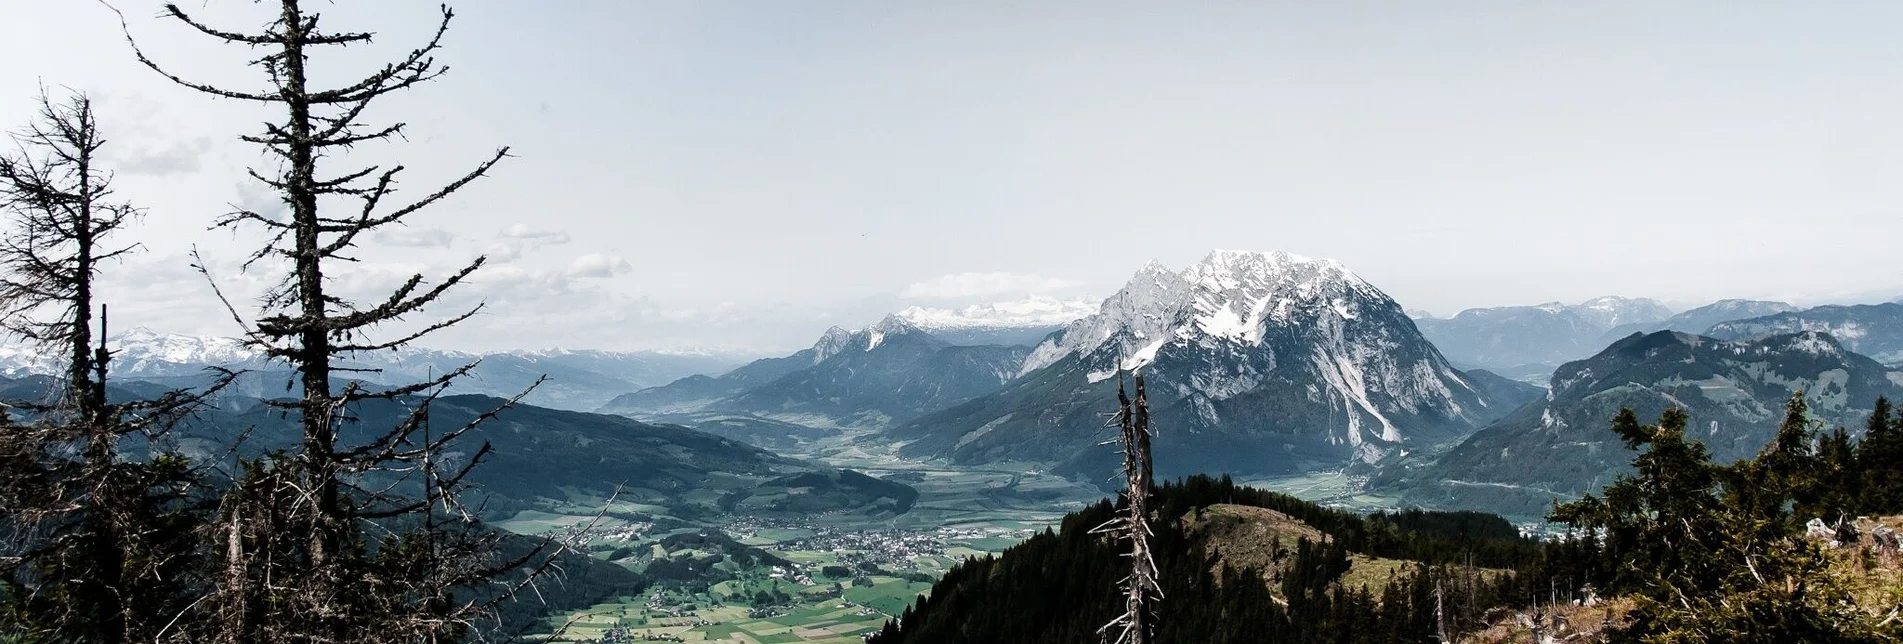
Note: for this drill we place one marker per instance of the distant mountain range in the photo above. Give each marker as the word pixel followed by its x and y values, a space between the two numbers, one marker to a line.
pixel 886 373
pixel 542 453
pixel 1256 362
pixel 578 379
pixel 1700 319
pixel 1875 330
pixel 1024 322
pixel 1561 445
pixel 1524 341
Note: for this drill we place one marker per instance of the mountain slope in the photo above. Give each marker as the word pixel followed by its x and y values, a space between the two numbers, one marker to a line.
pixel 549 453
pixel 889 372
pixel 1255 363
pixel 577 379
pixel 1508 394
pixel 696 392
pixel 1734 391
pixel 1236 565
pixel 1875 330
pixel 1700 319
pixel 1548 334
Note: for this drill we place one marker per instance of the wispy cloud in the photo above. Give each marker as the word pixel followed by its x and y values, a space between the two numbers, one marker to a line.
pixel 416 237
pixel 963 285
pixel 595 265
pixel 172 157
pixel 1031 311
pixel 524 231
pixel 519 239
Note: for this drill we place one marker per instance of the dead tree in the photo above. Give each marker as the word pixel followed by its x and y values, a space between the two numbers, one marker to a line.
pixel 97 543
pixel 1136 625
pixel 58 195
pixel 319 545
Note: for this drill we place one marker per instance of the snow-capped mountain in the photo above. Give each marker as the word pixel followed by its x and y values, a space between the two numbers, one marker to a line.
pixel 1256 362
pixel 1024 321
pixel 1535 339
pixel 1875 330
pixel 1611 311
pixel 891 371
pixel 578 379
pixel 1563 446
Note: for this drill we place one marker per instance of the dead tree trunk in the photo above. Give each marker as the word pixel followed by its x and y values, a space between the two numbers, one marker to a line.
pixel 309 534
pixel 98 547
pixel 56 195
pixel 1140 590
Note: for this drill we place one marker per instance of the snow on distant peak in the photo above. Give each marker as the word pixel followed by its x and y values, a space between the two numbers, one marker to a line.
pixel 1143 311
pixel 1613 310
pixel 1816 343
pixel 833 341
pixel 837 340
pixel 140 343
pixel 1229 295
pixel 1035 311
pixel 889 326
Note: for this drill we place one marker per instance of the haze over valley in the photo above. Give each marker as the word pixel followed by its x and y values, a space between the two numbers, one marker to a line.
pixel 922 323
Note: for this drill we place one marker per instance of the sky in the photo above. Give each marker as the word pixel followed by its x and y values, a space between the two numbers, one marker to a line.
pixel 742 175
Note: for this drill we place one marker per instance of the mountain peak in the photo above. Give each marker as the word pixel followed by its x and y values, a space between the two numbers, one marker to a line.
pixel 833 341
pixel 891 326
pixel 1229 294
pixel 1222 343
pixel 893 323
pixel 1229 270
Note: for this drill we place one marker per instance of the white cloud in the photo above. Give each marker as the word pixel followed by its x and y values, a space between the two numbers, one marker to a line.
pixel 181 156
pixel 523 231
pixel 416 237
pixel 598 265
pixel 1031 311
pixel 519 239
pixel 962 285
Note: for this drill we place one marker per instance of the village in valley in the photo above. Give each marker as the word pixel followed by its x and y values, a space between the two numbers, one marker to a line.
pixel 769 579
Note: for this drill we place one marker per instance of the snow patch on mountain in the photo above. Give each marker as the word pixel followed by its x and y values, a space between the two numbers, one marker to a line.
pixel 1145 308
pixel 1034 311
pixel 830 343
pixel 1227 321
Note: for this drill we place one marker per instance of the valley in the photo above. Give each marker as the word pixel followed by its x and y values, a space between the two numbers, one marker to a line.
pixel 828 577
pixel 812 497
pixel 949 323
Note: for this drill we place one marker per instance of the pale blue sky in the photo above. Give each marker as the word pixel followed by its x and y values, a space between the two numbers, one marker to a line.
pixel 748 173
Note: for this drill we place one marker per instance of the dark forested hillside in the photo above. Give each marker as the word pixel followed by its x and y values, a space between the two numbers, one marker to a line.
pixel 1061 586
pixel 541 452
pixel 1558 448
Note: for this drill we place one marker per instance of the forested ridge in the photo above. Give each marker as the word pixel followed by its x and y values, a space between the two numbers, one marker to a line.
pixel 1691 550
pixel 1060 586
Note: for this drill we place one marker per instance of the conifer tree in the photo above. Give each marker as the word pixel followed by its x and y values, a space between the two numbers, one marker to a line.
pixel 1880 458
pixel 317 544
pixel 1758 490
pixel 1839 479
pixel 1712 553
pixel 100 547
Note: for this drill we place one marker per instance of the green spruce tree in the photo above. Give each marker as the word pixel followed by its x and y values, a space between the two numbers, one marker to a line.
pixel 1880 459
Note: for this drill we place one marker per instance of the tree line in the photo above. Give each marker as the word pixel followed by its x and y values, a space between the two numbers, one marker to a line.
pixel 355 533
pixel 1704 551
pixel 1715 551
